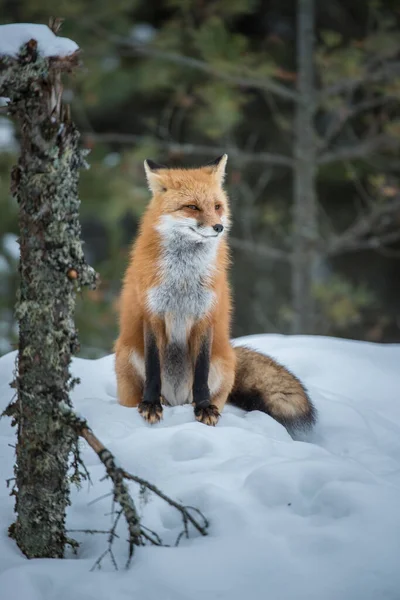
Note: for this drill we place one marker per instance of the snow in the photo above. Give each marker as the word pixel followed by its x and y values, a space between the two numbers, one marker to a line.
pixel 4 266
pixel 7 139
pixel 14 35
pixel 11 245
pixel 143 33
pixel 289 520
pixel 112 159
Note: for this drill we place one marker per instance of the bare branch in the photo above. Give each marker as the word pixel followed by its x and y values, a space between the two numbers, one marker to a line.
pixel 192 149
pixel 387 71
pixel 121 492
pixel 138 534
pixel 363 198
pixel 186 516
pixel 361 150
pixel 260 249
pixel 111 537
pixel 349 112
pixel 362 235
pixel 374 242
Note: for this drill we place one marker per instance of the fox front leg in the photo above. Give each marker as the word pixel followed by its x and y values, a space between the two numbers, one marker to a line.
pixel 150 408
pixel 204 411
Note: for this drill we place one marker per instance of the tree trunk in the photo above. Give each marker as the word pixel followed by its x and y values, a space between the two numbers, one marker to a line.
pixel 52 266
pixel 305 223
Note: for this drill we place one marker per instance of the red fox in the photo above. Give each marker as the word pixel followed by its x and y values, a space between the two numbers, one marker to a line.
pixel 175 310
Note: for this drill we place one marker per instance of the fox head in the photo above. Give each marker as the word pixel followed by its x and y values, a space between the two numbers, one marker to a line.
pixel 189 202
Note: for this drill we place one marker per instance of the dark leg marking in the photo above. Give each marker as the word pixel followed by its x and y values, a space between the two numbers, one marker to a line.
pixel 150 408
pixel 201 391
pixel 204 411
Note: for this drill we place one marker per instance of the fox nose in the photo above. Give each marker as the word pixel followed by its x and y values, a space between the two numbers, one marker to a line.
pixel 218 228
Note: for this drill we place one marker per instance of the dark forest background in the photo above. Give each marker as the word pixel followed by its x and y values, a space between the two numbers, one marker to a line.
pixel 313 138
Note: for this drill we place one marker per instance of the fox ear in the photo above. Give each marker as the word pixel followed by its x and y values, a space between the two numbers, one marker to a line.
pixel 217 167
pixel 153 166
pixel 153 177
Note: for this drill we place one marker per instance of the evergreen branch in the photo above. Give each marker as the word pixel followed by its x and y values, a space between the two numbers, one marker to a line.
pixel 365 148
pixel 387 71
pixel 266 83
pixel 138 534
pixel 260 249
pixel 193 149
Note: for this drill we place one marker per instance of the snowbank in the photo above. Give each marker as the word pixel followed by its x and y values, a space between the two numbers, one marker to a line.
pixel 290 520
pixel 13 36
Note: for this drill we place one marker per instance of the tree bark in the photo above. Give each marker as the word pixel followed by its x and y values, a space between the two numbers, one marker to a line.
pixel 52 268
pixel 305 222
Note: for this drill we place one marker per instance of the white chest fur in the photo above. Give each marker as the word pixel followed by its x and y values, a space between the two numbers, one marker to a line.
pixel 183 296
pixel 185 268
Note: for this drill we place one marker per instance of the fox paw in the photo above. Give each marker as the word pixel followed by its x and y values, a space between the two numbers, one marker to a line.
pixel 208 415
pixel 151 412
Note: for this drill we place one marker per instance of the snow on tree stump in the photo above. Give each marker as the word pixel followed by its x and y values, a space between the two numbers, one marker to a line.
pixel 52 268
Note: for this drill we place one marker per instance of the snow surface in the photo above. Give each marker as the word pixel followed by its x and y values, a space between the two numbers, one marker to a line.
pixel 289 520
pixel 14 35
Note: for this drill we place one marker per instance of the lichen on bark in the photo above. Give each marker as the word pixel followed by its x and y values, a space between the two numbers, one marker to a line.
pixel 52 268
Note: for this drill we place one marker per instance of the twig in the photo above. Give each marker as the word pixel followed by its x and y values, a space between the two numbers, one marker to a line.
pixel 361 150
pixel 354 238
pixel 91 531
pixel 111 536
pixel 79 468
pixel 363 193
pixel 121 492
pixel 349 112
pixel 100 497
pixel 387 71
pixel 156 541
pixel 186 516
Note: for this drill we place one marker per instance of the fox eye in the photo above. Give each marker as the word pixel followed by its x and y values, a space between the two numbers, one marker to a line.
pixel 192 207
pixel 217 206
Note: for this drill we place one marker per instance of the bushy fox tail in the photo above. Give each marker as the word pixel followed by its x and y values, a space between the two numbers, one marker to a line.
pixel 263 384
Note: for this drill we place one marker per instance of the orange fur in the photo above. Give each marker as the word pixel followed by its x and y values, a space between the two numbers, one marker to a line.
pixel 243 377
pixel 202 186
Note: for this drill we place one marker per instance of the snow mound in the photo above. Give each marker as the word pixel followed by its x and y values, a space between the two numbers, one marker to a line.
pixel 289 520
pixel 14 35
